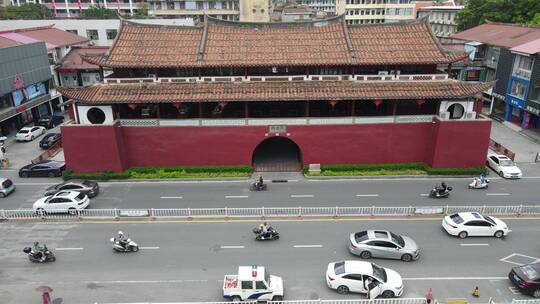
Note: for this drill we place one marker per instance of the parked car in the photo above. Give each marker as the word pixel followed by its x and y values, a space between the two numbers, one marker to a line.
pixel 63 201
pixel 364 277
pixel 29 133
pixel 50 168
pixel 50 122
pixel 383 244
pixel 527 278
pixel 6 187
pixel 90 188
pixel 504 166
pixel 49 140
pixel 464 224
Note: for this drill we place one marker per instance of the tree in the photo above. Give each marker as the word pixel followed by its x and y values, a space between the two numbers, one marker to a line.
pixel 509 11
pixel 99 12
pixel 25 11
pixel 535 20
pixel 142 10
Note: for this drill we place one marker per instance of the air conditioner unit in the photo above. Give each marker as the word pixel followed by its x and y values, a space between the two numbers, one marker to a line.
pixel 383 72
pixel 470 115
pixel 444 115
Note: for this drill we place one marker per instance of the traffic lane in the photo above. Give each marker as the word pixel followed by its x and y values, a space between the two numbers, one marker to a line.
pixel 327 193
pixel 198 251
pixel 23 196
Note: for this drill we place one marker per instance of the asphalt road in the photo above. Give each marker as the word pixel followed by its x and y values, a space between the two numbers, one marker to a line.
pixel 386 192
pixel 182 262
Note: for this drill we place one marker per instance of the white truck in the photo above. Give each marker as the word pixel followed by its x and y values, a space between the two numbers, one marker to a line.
pixel 252 283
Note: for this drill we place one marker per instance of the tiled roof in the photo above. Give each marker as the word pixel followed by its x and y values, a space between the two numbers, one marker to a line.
pixel 53 37
pixel 4 42
pixel 530 48
pixel 235 44
pixel 500 34
pixel 73 59
pixel 308 90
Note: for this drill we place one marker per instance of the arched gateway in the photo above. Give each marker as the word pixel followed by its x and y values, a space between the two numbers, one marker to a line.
pixel 277 154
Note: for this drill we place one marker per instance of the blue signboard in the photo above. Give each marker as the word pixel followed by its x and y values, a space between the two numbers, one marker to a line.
pixel 514 101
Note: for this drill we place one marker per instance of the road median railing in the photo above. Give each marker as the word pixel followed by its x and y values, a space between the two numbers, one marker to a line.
pixel 355 301
pixel 269 212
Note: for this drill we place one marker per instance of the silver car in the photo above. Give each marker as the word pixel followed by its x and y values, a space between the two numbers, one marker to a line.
pixel 383 244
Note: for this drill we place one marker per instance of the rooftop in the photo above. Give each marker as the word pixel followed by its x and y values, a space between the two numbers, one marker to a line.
pixel 530 48
pixel 219 43
pixel 269 91
pixel 53 37
pixel 73 60
pixel 500 34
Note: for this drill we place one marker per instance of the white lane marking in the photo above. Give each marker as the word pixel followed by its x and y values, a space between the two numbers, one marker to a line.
pixel 497 194
pixel 149 247
pixel 424 194
pixel 454 278
pixel 465 245
pixel 302 195
pixel 236 196
pixel 232 247
pixel 308 246
pixel 171 197
pixel 146 282
pixel 66 248
pixel 366 195
pixel 506 259
pixel 514 290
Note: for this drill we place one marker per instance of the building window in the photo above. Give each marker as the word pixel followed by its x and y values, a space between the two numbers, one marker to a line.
pixel 518 89
pixel 522 66
pixel 5 101
pixel 72 31
pixel 92 34
pixel 111 34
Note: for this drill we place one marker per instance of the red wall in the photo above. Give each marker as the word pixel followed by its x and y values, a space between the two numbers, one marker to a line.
pixel 442 144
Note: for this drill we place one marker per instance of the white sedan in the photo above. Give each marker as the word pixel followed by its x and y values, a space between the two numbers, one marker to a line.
pixel 29 133
pixel 61 202
pixel 464 224
pixel 364 277
pixel 504 166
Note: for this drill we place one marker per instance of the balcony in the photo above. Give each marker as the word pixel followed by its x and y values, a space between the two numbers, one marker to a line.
pixel 371 78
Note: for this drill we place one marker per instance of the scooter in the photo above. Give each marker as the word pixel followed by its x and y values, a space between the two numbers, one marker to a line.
pixel 435 193
pixel 130 245
pixel 256 187
pixel 271 235
pixel 35 257
pixel 475 185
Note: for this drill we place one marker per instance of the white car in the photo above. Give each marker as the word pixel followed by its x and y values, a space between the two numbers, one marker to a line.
pixel 504 166
pixel 63 201
pixel 464 224
pixel 29 133
pixel 364 277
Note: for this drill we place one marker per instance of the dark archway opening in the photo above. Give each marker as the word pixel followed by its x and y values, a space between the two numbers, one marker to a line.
pixel 277 154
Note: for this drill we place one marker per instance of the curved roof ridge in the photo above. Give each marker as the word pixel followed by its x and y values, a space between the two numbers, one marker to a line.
pixel 298 24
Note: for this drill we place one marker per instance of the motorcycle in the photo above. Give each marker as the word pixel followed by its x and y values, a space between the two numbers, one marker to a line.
pixel 255 187
pixel 475 185
pixel 271 235
pixel 435 193
pixel 35 256
pixel 130 245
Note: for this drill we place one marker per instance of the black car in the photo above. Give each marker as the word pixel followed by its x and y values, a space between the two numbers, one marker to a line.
pixel 50 122
pixel 49 140
pixel 90 188
pixel 527 278
pixel 50 168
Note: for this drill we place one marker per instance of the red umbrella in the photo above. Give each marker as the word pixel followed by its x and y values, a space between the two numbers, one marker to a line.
pixel 44 289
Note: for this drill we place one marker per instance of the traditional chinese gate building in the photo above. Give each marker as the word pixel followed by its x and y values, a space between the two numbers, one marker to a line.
pixel 275 96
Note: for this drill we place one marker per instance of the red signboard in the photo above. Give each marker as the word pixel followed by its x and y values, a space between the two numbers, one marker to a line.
pixel 18 83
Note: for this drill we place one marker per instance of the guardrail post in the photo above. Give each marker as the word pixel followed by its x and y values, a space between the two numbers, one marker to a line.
pixel 520 210
pixel 483 209
pixel 189 214
pixel 445 210
pixel 116 214
pixel 3 214
pixel 299 211
pixel 372 210
pixel 226 213
pixel 336 211
pixel 263 217
pixel 152 214
pixel 78 213
pixel 411 210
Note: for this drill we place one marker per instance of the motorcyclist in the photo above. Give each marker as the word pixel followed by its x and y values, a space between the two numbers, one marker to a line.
pixel 477 182
pixel 259 182
pixel 443 188
pixel 40 251
pixel 264 230
pixel 122 239
pixel 482 179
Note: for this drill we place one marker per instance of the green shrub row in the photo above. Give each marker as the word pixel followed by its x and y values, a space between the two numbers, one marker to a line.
pixel 394 169
pixel 164 172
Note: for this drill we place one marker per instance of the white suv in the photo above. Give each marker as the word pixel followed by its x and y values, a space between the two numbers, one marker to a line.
pixel 364 277
pixel 63 201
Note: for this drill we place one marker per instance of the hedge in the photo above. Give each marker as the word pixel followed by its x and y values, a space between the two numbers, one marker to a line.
pixel 394 169
pixel 164 172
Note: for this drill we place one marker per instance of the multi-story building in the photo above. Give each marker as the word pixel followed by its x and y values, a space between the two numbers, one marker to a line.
pixel 330 7
pixel 25 84
pixel 99 31
pixel 226 10
pixel 376 11
pixel 442 19
pixel 74 8
pixel 276 96
pixel 504 53
pixel 297 13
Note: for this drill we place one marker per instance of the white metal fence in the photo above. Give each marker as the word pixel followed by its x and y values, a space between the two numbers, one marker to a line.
pixel 273 212
pixel 358 301
pixel 533 301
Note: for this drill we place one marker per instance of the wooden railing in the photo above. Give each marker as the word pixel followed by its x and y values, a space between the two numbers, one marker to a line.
pixel 52 151
pixel 497 147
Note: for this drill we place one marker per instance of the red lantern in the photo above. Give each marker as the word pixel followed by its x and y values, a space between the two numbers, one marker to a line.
pixel 177 105
pixel 377 102
pixel 333 103
pixel 132 106
pixel 222 104
pixel 420 101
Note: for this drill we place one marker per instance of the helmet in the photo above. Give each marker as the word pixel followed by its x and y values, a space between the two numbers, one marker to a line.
pixel 261 226
pixel 120 232
pixel 265 224
pixel 443 184
pixel 36 244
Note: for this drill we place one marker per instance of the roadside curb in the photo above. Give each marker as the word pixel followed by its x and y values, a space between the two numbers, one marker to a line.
pixel 386 176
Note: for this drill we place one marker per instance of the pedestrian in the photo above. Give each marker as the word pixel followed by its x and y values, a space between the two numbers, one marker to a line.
pixel 476 292
pixel 368 285
pixel 429 296
pixel 46 297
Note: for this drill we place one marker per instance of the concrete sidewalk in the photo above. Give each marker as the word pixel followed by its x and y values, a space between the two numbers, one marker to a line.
pixel 512 138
